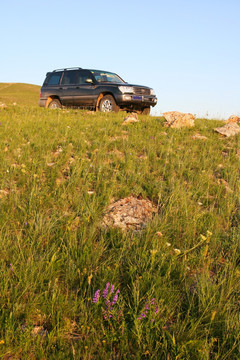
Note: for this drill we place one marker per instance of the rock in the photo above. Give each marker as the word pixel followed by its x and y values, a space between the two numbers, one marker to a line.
pixel 177 119
pixel 233 119
pixel 57 152
pixel 225 184
pixel 39 330
pixel 229 129
pixel 4 193
pixel 131 119
pixel 36 330
pixel 199 136
pixel 129 213
pixel 3 106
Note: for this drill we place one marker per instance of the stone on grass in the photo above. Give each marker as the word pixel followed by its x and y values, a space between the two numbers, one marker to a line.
pixel 233 119
pixel 131 119
pixel 176 119
pixel 3 106
pixel 4 193
pixel 199 136
pixel 129 213
pixel 229 129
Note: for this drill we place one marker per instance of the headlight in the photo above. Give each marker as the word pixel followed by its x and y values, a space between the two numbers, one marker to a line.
pixel 126 89
pixel 152 92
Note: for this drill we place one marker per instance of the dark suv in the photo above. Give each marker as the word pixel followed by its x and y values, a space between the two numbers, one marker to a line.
pixel 94 89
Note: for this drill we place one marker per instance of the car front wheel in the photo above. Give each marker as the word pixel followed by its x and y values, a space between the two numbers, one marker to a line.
pixel 108 104
pixel 55 104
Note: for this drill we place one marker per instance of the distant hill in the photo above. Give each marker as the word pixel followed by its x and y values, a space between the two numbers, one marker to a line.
pixel 22 94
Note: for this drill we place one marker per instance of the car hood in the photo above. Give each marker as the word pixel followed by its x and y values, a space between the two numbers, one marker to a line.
pixel 122 84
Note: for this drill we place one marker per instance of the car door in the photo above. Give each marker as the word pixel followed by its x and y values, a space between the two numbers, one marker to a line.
pixel 85 94
pixel 67 87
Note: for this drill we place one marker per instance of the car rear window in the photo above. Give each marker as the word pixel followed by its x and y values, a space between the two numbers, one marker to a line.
pixel 69 77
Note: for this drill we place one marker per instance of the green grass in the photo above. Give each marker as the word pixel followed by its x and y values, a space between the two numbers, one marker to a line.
pixel 51 235
pixel 21 94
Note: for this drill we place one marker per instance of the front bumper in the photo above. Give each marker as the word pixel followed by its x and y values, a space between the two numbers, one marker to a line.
pixel 138 100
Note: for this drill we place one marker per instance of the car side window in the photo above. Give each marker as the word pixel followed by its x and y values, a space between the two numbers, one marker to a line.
pixel 69 77
pixel 54 78
pixel 82 77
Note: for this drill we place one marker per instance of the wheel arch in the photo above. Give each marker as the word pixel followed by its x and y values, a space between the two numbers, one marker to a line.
pixel 50 98
pixel 101 95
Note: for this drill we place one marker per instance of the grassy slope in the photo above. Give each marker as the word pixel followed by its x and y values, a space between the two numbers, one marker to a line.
pixel 49 228
pixel 22 94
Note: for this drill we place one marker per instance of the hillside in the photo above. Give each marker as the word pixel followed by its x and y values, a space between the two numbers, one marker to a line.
pixel 21 94
pixel 176 279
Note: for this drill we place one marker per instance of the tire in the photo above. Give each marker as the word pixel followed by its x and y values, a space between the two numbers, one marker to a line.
pixel 108 104
pixel 54 104
pixel 145 111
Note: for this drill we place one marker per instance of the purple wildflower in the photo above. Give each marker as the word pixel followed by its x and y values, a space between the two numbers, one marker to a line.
pixel 142 315
pixel 25 223
pixel 115 298
pixel 112 289
pixel 11 267
pixel 108 308
pixel 108 305
pixel 105 292
pixel 149 305
pixel 96 296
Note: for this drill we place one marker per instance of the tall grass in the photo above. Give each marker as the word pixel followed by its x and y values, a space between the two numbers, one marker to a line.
pixel 58 172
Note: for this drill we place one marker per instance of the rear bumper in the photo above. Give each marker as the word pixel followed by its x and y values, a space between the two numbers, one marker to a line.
pixel 138 100
pixel 42 102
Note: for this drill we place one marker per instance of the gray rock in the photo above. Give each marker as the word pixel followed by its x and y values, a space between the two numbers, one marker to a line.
pixel 131 119
pixel 129 213
pixel 233 119
pixel 176 119
pixel 229 129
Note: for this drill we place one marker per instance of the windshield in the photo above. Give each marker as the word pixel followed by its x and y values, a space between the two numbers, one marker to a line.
pixel 105 76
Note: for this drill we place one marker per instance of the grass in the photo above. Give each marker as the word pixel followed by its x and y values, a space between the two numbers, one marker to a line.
pixel 21 94
pixel 59 170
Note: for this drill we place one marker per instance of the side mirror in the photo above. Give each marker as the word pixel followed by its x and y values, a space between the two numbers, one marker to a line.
pixel 89 81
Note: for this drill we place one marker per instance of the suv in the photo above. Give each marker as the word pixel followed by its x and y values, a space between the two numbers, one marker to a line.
pixel 94 89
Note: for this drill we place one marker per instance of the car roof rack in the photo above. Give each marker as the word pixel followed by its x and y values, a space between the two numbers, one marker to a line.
pixel 72 68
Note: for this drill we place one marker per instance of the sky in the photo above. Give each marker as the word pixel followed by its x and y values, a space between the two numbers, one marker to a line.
pixel 188 51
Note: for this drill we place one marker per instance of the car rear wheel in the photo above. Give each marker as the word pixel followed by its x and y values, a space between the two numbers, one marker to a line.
pixel 146 111
pixel 55 104
pixel 108 104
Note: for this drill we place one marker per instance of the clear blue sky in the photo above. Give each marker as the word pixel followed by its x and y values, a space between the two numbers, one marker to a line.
pixel 187 50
